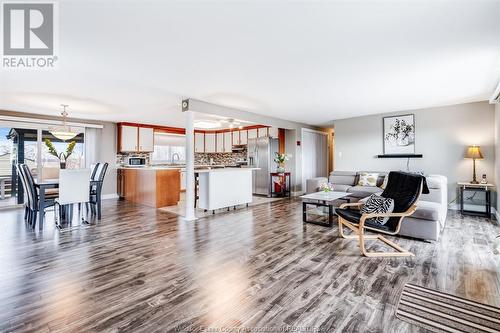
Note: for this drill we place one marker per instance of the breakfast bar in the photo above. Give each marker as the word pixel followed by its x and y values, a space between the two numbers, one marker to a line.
pixel 224 188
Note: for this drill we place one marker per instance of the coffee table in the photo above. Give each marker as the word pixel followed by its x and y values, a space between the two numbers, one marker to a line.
pixel 322 199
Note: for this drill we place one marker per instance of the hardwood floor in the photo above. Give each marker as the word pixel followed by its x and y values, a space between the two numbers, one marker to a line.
pixel 144 270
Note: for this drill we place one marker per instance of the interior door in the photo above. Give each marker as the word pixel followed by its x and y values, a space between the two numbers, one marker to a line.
pixel 314 155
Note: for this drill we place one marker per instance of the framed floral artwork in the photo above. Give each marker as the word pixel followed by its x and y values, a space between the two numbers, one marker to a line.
pixel 399 135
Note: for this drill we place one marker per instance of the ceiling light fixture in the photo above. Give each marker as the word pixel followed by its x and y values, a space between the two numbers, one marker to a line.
pixel 206 124
pixel 63 132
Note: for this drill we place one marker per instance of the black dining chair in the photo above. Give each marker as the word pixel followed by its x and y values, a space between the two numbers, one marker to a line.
pixel 33 197
pixel 96 188
pixel 28 203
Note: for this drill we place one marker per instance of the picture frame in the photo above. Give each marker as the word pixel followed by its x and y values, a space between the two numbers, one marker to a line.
pixel 399 134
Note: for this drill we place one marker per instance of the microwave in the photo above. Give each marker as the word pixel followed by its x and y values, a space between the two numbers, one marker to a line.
pixel 136 161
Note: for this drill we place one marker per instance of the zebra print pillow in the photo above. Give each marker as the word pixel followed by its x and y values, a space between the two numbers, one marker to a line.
pixel 378 204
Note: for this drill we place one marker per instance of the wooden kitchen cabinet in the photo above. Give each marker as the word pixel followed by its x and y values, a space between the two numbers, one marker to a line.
pixel 252 133
pixel 273 132
pixel 228 146
pixel 220 142
pixel 199 142
pixel 236 137
pixel 210 143
pixel 127 138
pixel 262 132
pixel 243 137
pixel 146 140
pixel 135 139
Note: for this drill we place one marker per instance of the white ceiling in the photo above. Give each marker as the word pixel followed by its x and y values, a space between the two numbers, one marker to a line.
pixel 311 62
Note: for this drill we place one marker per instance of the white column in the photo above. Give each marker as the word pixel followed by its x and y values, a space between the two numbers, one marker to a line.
pixel 189 216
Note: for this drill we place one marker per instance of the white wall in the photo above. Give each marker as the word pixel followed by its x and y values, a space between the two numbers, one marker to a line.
pixel 442 135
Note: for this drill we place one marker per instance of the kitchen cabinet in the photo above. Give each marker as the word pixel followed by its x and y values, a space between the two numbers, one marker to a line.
pixel 146 139
pixel 220 142
pixel 135 139
pixel 127 138
pixel 243 137
pixel 199 142
pixel 262 132
pixel 236 137
pixel 273 132
pixel 228 146
pixel 252 133
pixel 209 142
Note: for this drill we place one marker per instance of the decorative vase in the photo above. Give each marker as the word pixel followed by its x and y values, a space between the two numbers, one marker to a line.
pixel 403 140
pixel 280 168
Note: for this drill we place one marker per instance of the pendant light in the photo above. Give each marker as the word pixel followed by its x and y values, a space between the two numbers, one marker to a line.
pixel 63 132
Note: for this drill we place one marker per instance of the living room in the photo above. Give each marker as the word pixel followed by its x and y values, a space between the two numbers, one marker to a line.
pixel 214 166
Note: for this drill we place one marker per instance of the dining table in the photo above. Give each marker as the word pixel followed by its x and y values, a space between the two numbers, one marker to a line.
pixel 45 184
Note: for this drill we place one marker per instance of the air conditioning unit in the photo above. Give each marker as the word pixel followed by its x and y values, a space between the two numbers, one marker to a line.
pixel 495 98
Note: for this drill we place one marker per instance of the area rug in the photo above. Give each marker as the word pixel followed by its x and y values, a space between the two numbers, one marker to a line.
pixel 441 312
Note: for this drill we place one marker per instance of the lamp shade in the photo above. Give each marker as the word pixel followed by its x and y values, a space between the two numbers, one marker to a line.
pixel 474 152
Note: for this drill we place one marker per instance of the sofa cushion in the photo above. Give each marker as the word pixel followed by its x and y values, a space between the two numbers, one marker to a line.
pixel 367 179
pixel 369 189
pixel 342 177
pixel 341 188
pixel 427 210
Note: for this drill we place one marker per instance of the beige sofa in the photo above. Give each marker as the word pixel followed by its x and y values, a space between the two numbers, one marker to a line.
pixel 427 221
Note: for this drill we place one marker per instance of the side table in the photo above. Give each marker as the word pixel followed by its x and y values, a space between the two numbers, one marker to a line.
pixel 474 189
pixel 284 182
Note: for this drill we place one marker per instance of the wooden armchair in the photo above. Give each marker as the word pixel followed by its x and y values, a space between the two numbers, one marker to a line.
pixel 405 189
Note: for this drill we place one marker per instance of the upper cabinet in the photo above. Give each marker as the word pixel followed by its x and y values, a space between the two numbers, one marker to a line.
pixel 236 137
pixel 228 146
pixel 252 133
pixel 219 142
pixel 243 137
pixel 210 143
pixel 146 139
pixel 135 139
pixel 199 142
pixel 273 132
pixel 262 132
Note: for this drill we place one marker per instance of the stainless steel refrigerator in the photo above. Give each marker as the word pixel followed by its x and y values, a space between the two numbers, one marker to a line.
pixel 261 155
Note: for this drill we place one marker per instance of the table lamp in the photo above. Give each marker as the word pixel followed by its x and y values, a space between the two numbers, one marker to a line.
pixel 474 152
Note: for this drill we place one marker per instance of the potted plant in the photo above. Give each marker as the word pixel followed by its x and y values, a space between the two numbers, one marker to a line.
pixel 280 160
pixel 63 156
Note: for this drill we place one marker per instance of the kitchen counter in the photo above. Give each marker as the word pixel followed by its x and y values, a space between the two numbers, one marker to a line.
pixel 150 186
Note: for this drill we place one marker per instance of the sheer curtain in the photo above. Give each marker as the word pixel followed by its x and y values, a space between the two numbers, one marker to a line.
pixel 92 147
pixel 314 155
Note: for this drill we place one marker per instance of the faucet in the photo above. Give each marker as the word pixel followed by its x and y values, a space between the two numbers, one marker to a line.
pixel 173 158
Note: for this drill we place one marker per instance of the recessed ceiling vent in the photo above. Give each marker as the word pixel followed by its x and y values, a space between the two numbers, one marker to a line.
pixel 495 98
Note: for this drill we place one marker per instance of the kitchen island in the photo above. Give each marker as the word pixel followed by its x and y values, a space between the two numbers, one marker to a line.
pixel 151 186
pixel 224 188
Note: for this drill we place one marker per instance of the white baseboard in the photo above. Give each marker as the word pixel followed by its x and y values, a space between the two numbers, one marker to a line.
pixel 109 196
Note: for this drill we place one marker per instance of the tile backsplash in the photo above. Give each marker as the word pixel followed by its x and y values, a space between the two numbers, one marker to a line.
pixel 199 158
pixel 220 158
pixel 121 158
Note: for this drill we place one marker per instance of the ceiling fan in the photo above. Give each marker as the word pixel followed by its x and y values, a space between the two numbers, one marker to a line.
pixel 232 123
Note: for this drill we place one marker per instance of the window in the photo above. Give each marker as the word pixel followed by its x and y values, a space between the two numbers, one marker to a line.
pixel 168 147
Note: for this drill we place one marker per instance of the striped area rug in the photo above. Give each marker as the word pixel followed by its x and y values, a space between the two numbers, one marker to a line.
pixel 440 312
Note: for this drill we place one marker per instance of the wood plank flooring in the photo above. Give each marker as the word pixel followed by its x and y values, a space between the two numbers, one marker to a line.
pixel 145 270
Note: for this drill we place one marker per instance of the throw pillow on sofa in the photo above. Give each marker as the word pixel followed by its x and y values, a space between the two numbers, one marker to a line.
pixel 378 204
pixel 368 179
